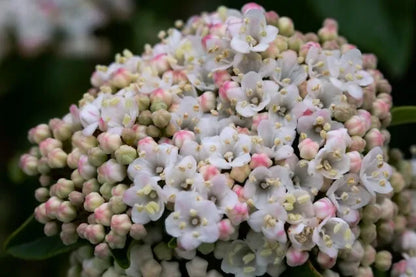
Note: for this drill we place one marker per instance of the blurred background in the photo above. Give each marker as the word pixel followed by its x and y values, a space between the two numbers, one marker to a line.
pixel 49 48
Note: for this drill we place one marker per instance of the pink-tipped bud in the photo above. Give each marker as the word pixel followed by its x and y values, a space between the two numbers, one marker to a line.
pixel 77 178
pixel 296 257
pixel 272 18
pixel 160 63
pixel 308 149
pixel 374 138
pixel 325 261
pixel 81 230
pixel 381 108
pixel 286 26
pixel 63 188
pixel 329 31
pixel 76 198
pixel 208 171
pixel 93 201
pixel 41 194
pixel 69 233
pixel 41 214
pixel 357 144
pixel 48 145
pixel 224 89
pixel 138 231
pixel 388 209
pixel 207 101
pixel 84 143
pixel 61 130
pixel 181 136
pixel 52 206
pixel 29 164
pixel 324 208
pixel 117 205
pixel 161 95
pixel 119 190
pixel 73 158
pixel 239 190
pixel 356 126
pixel 251 6
pixel 51 228
pixel 85 169
pixel 111 172
pixel 109 142
pixel 121 78
pixel 103 214
pixel 220 77
pixel 95 233
pixel 102 250
pixel 260 160
pixel 57 158
pixel 226 229
pixel 89 186
pixel 383 86
pixel 238 213
pixel 355 161
pixel 121 224
pixel 66 212
pixel 399 268
pixel 39 133
pixel 369 61
pixel 115 241
pixel 258 118
pixel 125 154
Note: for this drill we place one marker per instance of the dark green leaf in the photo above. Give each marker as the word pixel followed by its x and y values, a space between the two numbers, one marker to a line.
pixel 378 273
pixel 306 270
pixel 172 243
pixel 29 242
pixel 403 115
pixel 121 257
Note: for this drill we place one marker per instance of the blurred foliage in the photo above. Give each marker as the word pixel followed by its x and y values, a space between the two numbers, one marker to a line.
pixel 35 89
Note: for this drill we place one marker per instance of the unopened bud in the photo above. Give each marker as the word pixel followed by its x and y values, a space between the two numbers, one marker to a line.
pixel 260 160
pixel 77 178
pixel 157 105
pixel 152 268
pixel 355 161
pixel 348 268
pixel 117 205
pixel 73 158
pixel 383 86
pixel 368 232
pixel 207 101
pixel 109 142
pixel 221 76
pixel 380 108
pixel 374 138
pixel 51 228
pixel 153 131
pixel 102 250
pixel 286 27
pixel 69 233
pixel 383 260
pixel 121 224
pixel 84 143
pixel 181 136
pixel 61 130
pixel 344 111
pixel 357 144
pixel 121 78
pixel 296 257
pixel 324 208
pixel 57 158
pixel 356 126
pixel 105 190
pixel 240 173
pixel 197 267
pixel 145 118
pixel 308 149
pixel 103 214
pixel 295 42
pixel 89 186
pixel 111 172
pixel 52 206
pixel 325 261
pixel 388 209
pixel 93 201
pixel 400 223
pixel 63 188
pixel 226 229
pixel 66 212
pixel 385 231
pixel 125 154
pixel 39 133
pixel 29 164
pixel 161 96
pixel 41 194
pixel 371 213
pixel 369 255
pixel 95 233
pixel 143 102
pixel 96 156
pixel 138 231
pixel 161 118
pixel 43 166
pixel 119 190
pixel 354 254
pixel 115 241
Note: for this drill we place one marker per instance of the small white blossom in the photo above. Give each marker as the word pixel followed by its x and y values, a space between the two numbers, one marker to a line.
pixel 375 173
pixel 288 71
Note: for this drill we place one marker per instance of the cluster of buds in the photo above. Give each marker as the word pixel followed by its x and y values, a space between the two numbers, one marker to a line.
pixel 35 23
pixel 235 137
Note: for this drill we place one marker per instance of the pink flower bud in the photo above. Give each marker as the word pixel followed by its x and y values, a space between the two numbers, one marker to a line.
pixel 52 206
pixel 63 188
pixel 161 95
pixel 381 108
pixel 383 86
pixel 369 255
pixel 374 138
pixel 73 158
pixel 239 190
pixel 85 169
pixel 260 160
pixel 296 257
pixel 251 6
pixel 93 201
pixel 388 209
pixel 181 136
pixel 178 76
pixel 220 77
pixel 48 145
pixel 369 61
pixel 89 186
pixel 111 172
pixel 355 161
pixel 41 214
pixel 43 166
pixel 304 49
pixel 324 208
pixel 160 63
pixel 95 233
pixel 119 190
pixel 115 241
pixel 399 268
pixel 286 26
pixel 208 171
pixel 61 130
pixel 41 194
pixel 223 90
pixel 45 180
pixel 96 156
pixel 84 143
pixel 238 213
pixel 76 198
pixel 383 260
pixel 39 133
pixel 51 228
pixel 207 101
pixel 66 212
pixel 69 233
pixel 272 18
pixel 357 144
pixel 29 164
pixel 103 214
pixel 258 118
pixel 356 126
pixel 57 158
pixel 308 149
pixel 226 229
pixel 109 142
pixel 77 178
pixel 325 261
pixel 81 230
pixel 138 231
pixel 121 224
pixel 117 205
pixel 102 250
pixel 121 78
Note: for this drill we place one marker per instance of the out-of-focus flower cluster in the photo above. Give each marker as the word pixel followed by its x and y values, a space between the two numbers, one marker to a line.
pixel 67 25
pixel 236 138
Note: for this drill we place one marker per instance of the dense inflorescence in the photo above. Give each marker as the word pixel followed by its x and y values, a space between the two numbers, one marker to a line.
pixel 235 138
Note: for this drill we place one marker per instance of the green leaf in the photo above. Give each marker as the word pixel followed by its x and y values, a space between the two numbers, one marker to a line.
pixel 403 115
pixel 121 257
pixel 172 243
pixel 305 270
pixel 30 243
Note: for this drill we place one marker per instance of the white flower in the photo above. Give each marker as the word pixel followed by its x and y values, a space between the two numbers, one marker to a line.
pixel 302 179
pixel 154 161
pixel 229 149
pixel 218 191
pixel 347 74
pixel 90 115
pixel 193 221
pixel 375 173
pixel 265 185
pixel 283 104
pixel 187 114
pixel 324 91
pixel 253 95
pixel 192 148
pixel 300 235
pixel 251 32
pixel 299 207
pixel 270 220
pixel 317 61
pixel 332 235
pixel 146 198
pixel 274 140
pixel 288 71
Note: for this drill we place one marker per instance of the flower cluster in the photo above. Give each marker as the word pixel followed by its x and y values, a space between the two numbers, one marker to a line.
pixel 35 24
pixel 235 137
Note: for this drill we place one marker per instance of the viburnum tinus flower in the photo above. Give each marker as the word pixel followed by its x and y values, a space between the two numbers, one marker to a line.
pixel 234 138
